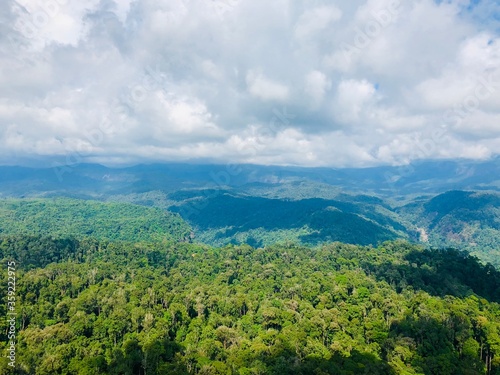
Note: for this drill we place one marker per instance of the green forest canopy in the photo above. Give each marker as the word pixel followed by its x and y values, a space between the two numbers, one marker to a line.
pixel 104 307
pixel 71 217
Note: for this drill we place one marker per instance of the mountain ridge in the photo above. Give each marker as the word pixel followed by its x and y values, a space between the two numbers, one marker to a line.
pixel 421 177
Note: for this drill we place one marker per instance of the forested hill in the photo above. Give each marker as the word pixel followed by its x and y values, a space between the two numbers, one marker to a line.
pixel 221 217
pixel 179 308
pixel 70 217
pixel 460 219
pixel 464 219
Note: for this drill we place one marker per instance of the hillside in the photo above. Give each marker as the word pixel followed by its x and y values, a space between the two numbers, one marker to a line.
pixel 70 217
pixel 220 218
pixel 463 219
pixel 146 309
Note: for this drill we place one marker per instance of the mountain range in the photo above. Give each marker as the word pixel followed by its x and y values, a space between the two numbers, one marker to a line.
pixel 453 203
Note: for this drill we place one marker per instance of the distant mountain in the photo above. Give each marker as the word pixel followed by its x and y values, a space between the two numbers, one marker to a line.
pixel 96 181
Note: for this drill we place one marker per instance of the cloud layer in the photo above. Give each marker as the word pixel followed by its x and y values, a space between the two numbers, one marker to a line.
pixel 321 83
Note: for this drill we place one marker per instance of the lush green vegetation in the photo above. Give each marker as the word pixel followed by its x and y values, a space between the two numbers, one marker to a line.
pixel 462 219
pixel 263 205
pixel 221 217
pixel 173 308
pixel 117 288
pixel 70 217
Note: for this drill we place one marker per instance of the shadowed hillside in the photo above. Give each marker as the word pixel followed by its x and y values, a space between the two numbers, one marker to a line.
pixel 220 218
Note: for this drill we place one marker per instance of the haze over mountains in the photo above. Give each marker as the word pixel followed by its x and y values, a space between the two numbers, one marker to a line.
pixel 93 179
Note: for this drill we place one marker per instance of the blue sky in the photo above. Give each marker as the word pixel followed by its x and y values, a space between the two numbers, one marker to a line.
pixel 310 83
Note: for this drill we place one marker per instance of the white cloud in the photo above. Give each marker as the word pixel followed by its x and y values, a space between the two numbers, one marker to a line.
pixel 316 86
pixel 47 22
pixel 264 88
pixel 314 21
pixel 354 100
pixel 190 79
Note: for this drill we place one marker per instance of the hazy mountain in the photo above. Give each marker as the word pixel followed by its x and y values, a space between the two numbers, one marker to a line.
pixel 97 180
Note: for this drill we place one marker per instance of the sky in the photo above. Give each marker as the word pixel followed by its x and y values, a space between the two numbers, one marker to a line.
pixel 307 83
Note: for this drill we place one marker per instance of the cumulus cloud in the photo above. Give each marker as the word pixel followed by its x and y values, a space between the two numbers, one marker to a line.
pixel 313 22
pixel 316 86
pixel 331 83
pixel 354 99
pixel 266 89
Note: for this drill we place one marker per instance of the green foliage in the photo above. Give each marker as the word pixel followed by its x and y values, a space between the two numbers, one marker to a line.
pixel 179 308
pixel 221 218
pixel 461 219
pixel 69 217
